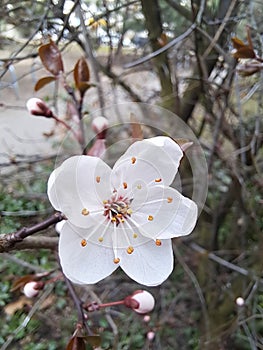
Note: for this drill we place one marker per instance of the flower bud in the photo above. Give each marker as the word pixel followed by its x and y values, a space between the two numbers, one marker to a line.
pixel 99 126
pixel 240 301
pixel 140 301
pixel 31 289
pixel 150 336
pixel 36 106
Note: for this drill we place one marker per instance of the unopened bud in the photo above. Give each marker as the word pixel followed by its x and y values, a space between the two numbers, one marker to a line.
pixel 99 126
pixel 147 318
pixel 140 301
pixel 36 106
pixel 240 301
pixel 150 335
pixel 31 289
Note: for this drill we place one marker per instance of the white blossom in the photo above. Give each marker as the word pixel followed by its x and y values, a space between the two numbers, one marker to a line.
pixel 125 216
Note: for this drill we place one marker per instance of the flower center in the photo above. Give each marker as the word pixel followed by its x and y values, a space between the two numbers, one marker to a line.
pixel 117 209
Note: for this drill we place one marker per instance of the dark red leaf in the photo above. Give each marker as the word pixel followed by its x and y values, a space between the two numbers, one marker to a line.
pixel 82 75
pixel 76 343
pixel 43 81
pixel 51 58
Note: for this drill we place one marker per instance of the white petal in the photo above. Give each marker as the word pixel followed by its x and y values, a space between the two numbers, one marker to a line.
pixel 145 162
pixel 165 213
pixel 81 182
pixel 84 265
pixel 149 264
pixel 183 222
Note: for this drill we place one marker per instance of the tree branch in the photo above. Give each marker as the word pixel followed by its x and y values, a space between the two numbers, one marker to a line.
pixel 8 241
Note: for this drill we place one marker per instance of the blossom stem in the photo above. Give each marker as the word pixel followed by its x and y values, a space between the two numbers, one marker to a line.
pixel 7 241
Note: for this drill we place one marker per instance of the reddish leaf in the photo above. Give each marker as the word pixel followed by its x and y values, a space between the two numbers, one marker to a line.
pixel 51 58
pixel 43 81
pixel 76 343
pixel 82 75
pixel 244 52
pixel 237 43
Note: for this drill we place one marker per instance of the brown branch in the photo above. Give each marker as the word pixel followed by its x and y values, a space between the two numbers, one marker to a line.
pixel 8 241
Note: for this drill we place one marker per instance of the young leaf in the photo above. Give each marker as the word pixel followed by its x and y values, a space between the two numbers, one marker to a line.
pixel 43 81
pixel 76 343
pixel 51 58
pixel 82 76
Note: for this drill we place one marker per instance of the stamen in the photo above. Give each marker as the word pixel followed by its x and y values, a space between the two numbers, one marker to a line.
pixel 169 199
pixel 158 242
pixel 105 201
pixel 85 212
pixel 98 179
pixel 130 250
pixel 129 211
pixel 135 235
pixel 125 185
pixel 100 239
pixel 83 243
pixel 158 180
pixel 139 187
pixel 133 160
pixel 116 260
pixel 150 218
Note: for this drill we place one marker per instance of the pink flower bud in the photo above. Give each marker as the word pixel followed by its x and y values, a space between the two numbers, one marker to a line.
pixel 31 289
pixel 147 318
pixel 99 126
pixel 140 301
pixel 36 106
pixel 150 336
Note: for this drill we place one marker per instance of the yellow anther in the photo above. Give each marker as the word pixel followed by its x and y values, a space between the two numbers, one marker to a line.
pixel 113 219
pixel 133 160
pixel 85 211
pixel 130 250
pixel 158 180
pixel 98 179
pixel 105 201
pixel 119 215
pixel 100 239
pixel 122 220
pixel 158 242
pixel 129 211
pixel 150 218
pixel 139 187
pixel 125 185
pixel 116 260
pixel 169 199
pixel 84 243
pixel 135 235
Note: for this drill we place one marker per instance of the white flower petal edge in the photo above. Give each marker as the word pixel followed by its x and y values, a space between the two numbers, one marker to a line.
pixel 149 264
pixel 80 182
pixel 151 160
pixel 85 264
pixel 171 213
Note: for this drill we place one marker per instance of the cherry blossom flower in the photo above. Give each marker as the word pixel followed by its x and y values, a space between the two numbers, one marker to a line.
pixel 121 217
